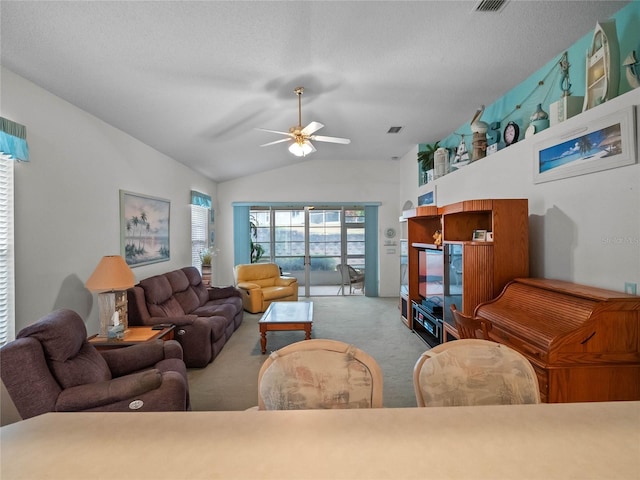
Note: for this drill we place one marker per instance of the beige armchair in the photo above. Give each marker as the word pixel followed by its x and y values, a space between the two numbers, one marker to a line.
pixel 261 283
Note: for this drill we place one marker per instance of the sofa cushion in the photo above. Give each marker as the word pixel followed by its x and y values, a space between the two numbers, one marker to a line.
pixel 271 293
pixel 170 308
pixel 183 291
pixel 157 290
pixel 218 326
pixel 212 309
pixel 178 281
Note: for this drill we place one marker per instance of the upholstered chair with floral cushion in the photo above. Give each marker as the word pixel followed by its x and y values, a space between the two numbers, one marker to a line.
pixel 319 374
pixel 474 372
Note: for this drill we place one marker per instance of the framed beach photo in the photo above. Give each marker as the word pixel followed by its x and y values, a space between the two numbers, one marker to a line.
pixel 144 229
pixel 604 143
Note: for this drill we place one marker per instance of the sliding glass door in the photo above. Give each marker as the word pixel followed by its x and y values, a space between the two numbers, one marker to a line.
pixel 309 243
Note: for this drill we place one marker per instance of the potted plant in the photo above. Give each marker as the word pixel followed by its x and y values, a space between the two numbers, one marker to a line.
pixel 425 159
pixel 257 250
pixel 206 256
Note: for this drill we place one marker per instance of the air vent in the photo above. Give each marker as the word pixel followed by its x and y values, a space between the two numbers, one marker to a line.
pixel 394 129
pixel 492 6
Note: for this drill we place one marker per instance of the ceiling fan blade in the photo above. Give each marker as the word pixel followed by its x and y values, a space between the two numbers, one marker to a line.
pixel 277 141
pixel 275 131
pixel 321 138
pixel 312 127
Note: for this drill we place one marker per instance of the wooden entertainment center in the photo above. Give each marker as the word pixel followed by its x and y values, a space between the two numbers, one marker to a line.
pixel 583 342
pixel 473 271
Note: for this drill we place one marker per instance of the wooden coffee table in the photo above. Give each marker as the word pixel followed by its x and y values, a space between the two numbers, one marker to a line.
pixel 286 316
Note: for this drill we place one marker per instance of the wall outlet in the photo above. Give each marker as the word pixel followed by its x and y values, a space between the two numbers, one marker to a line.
pixel 631 288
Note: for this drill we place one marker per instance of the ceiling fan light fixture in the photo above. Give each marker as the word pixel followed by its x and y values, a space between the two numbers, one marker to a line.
pixel 300 149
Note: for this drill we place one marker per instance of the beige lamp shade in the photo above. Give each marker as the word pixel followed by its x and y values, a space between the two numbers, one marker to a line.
pixel 112 273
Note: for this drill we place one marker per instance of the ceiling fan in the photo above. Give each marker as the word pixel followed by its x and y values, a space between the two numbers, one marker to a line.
pixel 300 137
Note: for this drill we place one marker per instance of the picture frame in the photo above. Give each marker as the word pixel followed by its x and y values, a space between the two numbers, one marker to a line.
pixel 428 198
pixel 601 144
pixel 479 236
pixel 144 229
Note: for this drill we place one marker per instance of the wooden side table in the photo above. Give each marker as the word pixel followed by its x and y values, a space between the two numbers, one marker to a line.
pixel 132 336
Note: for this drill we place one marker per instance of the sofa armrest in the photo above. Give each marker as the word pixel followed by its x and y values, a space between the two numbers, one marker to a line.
pixel 217 293
pixel 248 286
pixel 285 281
pixel 93 395
pixel 123 361
pixel 172 349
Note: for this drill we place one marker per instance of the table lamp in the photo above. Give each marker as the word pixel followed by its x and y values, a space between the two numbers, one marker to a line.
pixel 110 279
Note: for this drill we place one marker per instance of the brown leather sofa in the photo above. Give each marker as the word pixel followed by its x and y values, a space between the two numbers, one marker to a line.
pixel 51 367
pixel 261 283
pixel 205 317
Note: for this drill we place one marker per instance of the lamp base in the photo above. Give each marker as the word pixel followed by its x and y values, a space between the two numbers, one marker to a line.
pixel 108 304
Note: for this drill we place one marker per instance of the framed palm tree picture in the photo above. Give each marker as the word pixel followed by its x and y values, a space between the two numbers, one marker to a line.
pixel 144 229
pixel 585 146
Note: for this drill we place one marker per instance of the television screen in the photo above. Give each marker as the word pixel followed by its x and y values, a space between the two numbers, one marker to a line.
pixel 431 275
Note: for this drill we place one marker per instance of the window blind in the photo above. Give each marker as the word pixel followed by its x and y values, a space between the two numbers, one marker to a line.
pixel 7 318
pixel 199 232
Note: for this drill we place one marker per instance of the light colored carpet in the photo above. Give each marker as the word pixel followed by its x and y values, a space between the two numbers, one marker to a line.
pixel 372 324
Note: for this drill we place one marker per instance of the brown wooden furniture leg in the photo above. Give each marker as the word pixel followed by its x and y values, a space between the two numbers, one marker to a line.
pixel 307 331
pixel 263 338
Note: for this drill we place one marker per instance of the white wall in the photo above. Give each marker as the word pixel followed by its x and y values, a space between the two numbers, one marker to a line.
pixel 67 200
pixel 317 181
pixel 583 229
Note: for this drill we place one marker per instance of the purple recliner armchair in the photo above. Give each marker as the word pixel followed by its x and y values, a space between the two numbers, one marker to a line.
pixel 51 367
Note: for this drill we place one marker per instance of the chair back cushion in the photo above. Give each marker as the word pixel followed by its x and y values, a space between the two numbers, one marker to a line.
pixel 475 372
pixel 262 274
pixel 316 379
pixel 72 360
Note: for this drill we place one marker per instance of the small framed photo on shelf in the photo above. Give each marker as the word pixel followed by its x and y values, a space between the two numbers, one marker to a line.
pixel 479 235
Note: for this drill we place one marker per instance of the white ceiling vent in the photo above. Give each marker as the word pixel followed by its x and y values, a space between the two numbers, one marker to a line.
pixel 492 6
pixel 394 129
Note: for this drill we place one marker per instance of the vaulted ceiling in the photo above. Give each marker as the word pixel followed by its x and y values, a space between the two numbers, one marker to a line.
pixel 194 79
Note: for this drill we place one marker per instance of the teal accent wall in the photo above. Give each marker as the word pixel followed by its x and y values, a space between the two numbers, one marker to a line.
pixel 502 110
pixel 241 235
pixel 371 251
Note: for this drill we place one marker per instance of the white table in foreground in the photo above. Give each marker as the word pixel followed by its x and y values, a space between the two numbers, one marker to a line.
pixel 286 316
pixel 547 441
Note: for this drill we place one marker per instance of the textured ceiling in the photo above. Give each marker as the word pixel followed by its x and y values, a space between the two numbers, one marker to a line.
pixel 194 79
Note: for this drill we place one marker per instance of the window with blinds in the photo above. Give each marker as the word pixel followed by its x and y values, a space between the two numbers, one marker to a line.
pixel 199 232
pixel 7 318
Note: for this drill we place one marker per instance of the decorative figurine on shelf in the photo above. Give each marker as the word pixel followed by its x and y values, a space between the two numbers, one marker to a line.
pixel 437 238
pixel 632 68
pixel 602 65
pixel 479 129
pixel 565 84
pixel 462 154
pixel 539 121
pixel 568 105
